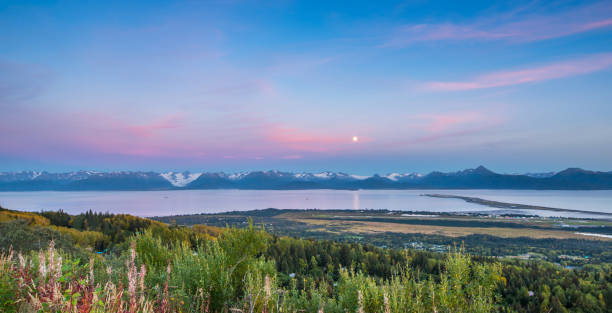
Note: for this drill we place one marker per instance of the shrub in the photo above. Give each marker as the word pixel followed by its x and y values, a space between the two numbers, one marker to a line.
pixel 227 274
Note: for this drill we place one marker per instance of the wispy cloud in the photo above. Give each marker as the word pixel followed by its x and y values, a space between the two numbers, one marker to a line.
pixel 437 127
pixel 20 83
pixel 517 26
pixel 557 70
pixel 290 65
pixel 308 141
pixel 256 86
pixel 149 129
pixel 111 136
pixel 292 157
pixel 442 122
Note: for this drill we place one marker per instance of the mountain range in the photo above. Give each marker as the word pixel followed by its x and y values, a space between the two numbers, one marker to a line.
pixel 477 178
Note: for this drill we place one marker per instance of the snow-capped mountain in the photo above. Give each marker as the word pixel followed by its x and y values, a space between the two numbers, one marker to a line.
pixel 180 179
pixel 42 175
pixel 83 180
pixel 19 176
pixel 237 176
pixel 403 177
pixel 340 175
pixel 479 177
pixel 541 175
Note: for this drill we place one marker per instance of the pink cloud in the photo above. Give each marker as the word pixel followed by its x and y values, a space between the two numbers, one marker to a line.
pixel 48 133
pixel 300 140
pixel 597 24
pixel 442 122
pixel 107 134
pixel 437 127
pixel 445 31
pixel 147 130
pixel 518 26
pixel 563 69
pixel 432 131
pixel 104 135
pixel 431 138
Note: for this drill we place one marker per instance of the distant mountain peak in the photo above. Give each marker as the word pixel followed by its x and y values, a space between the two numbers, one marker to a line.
pixel 539 175
pixel 180 179
pixel 403 177
pixel 479 177
pixel 574 171
pixel 483 170
pixel 480 170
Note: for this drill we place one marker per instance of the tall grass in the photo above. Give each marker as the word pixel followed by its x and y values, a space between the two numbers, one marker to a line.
pixel 227 274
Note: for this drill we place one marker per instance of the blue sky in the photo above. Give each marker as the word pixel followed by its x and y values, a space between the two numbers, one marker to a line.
pixel 247 85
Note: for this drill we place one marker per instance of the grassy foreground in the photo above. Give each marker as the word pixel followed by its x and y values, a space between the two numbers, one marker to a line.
pixel 226 274
pixel 92 262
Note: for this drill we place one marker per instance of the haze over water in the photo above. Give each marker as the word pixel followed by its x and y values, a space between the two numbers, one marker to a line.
pixel 159 203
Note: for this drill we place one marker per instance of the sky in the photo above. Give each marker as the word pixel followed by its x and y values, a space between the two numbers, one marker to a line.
pixel 255 85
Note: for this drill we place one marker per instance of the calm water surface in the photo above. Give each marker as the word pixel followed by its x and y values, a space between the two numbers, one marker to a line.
pixel 150 203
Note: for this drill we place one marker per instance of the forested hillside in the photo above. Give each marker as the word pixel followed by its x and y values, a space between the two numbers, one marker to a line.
pixel 55 262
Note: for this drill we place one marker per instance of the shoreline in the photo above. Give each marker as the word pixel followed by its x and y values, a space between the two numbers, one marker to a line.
pixel 512 206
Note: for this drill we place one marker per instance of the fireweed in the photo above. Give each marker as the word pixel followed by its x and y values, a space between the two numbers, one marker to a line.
pixel 227 274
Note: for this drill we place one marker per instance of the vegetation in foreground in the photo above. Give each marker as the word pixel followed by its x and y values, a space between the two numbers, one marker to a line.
pixel 227 274
pixel 155 267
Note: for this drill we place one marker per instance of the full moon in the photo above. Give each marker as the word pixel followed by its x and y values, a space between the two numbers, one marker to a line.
pixel 355 139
